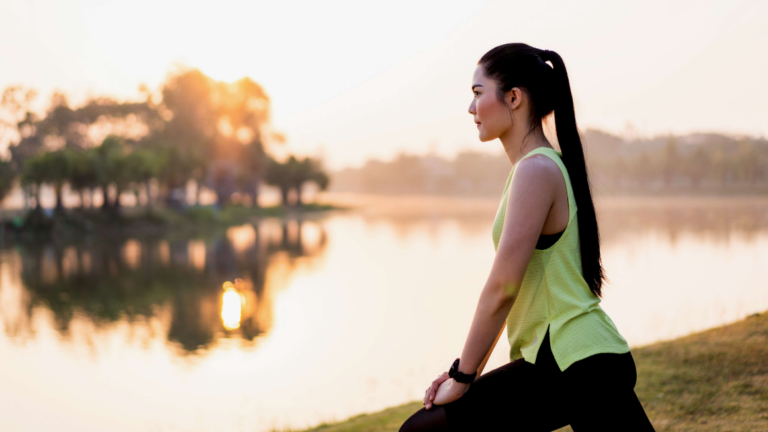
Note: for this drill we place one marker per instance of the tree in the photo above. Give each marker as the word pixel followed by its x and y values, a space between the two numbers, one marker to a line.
pixel 293 174
pixel 303 171
pixel 83 177
pixel 57 170
pixel 214 126
pixel 143 165
pixel 670 161
pixel 697 166
pixel 278 174
pixel 105 162
pixel 33 176
pixel 253 171
pixel 19 123
pixel 7 179
pixel 200 124
pixel 188 138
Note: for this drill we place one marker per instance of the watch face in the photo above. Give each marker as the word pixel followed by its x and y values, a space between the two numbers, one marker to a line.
pixel 454 368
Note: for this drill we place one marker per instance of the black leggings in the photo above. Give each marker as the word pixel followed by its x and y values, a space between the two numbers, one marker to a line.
pixel 593 394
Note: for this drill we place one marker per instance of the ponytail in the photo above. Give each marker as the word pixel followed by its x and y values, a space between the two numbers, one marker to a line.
pixel 520 65
pixel 573 159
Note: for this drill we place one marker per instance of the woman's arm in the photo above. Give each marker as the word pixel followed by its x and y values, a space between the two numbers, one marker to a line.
pixel 429 396
pixel 531 197
pixel 488 356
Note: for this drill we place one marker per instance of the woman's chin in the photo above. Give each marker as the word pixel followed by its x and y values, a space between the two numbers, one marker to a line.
pixel 483 137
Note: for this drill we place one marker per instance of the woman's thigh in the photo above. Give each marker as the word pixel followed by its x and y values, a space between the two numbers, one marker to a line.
pixel 516 396
pixel 602 390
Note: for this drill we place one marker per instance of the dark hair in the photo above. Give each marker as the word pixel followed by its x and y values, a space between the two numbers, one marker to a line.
pixel 520 65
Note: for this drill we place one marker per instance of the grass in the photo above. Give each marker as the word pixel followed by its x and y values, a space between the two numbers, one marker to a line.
pixel 716 380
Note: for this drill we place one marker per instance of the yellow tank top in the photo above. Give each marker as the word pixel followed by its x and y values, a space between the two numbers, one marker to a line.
pixel 554 294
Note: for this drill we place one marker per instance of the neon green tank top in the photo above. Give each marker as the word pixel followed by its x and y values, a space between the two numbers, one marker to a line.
pixel 554 294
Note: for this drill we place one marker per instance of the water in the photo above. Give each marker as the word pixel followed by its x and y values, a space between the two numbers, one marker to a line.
pixel 324 317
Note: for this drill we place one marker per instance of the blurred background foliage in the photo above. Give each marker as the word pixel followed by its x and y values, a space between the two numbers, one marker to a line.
pixel 201 132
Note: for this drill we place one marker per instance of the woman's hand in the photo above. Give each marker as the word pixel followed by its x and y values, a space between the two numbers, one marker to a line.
pixel 449 391
pixel 429 395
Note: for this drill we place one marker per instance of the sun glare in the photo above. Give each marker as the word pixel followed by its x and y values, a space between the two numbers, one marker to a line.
pixel 231 307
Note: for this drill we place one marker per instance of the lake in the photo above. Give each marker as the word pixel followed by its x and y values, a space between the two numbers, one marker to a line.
pixel 289 323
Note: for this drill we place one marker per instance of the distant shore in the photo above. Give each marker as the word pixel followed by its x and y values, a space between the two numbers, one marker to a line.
pixel 709 381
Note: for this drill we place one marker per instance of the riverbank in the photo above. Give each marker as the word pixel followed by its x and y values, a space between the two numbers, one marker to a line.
pixel 716 380
pixel 140 221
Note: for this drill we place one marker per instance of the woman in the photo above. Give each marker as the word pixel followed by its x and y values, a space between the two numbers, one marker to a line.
pixel 569 364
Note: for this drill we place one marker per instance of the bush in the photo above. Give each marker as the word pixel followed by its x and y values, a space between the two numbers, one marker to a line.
pixel 200 214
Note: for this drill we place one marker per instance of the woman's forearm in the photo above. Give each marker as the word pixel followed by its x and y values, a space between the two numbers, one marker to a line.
pixel 481 368
pixel 490 316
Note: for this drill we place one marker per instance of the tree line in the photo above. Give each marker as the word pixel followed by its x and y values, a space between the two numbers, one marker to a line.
pixel 212 133
pixel 694 163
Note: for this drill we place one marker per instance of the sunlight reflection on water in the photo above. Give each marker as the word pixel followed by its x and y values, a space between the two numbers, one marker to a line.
pixel 232 303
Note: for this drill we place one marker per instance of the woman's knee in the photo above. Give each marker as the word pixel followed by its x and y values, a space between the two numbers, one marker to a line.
pixel 412 423
pixel 423 420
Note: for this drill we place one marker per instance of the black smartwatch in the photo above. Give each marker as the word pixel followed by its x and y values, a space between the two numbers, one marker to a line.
pixel 454 373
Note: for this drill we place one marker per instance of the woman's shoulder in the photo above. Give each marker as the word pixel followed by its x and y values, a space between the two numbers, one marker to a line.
pixel 538 170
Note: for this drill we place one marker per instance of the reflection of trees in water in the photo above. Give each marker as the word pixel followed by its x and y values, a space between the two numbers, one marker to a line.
pixel 133 279
pixel 407 225
pixel 713 219
pixel 619 218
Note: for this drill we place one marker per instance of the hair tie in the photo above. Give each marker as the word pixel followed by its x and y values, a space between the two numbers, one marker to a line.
pixel 544 57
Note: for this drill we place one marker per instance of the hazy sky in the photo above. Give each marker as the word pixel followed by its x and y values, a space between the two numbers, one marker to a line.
pixel 352 79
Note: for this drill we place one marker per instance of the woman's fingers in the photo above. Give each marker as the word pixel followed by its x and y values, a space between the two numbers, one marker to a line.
pixel 436 384
pixel 429 395
pixel 432 391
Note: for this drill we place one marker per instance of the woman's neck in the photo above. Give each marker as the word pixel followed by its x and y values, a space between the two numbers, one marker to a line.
pixel 517 142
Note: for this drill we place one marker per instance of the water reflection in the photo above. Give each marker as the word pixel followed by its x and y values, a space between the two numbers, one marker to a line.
pixel 711 219
pixel 232 302
pixel 135 280
pixel 358 319
pixel 620 218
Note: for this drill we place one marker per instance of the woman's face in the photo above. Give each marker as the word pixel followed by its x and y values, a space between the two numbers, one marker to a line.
pixel 492 117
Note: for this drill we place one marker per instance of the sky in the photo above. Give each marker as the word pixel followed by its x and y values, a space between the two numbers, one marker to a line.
pixel 352 80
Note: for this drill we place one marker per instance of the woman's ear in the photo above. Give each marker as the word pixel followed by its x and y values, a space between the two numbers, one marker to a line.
pixel 514 97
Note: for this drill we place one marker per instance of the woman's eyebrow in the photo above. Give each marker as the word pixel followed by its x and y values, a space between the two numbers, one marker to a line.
pixel 475 85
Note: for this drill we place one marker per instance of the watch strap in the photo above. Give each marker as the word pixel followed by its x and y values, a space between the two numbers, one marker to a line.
pixel 454 373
